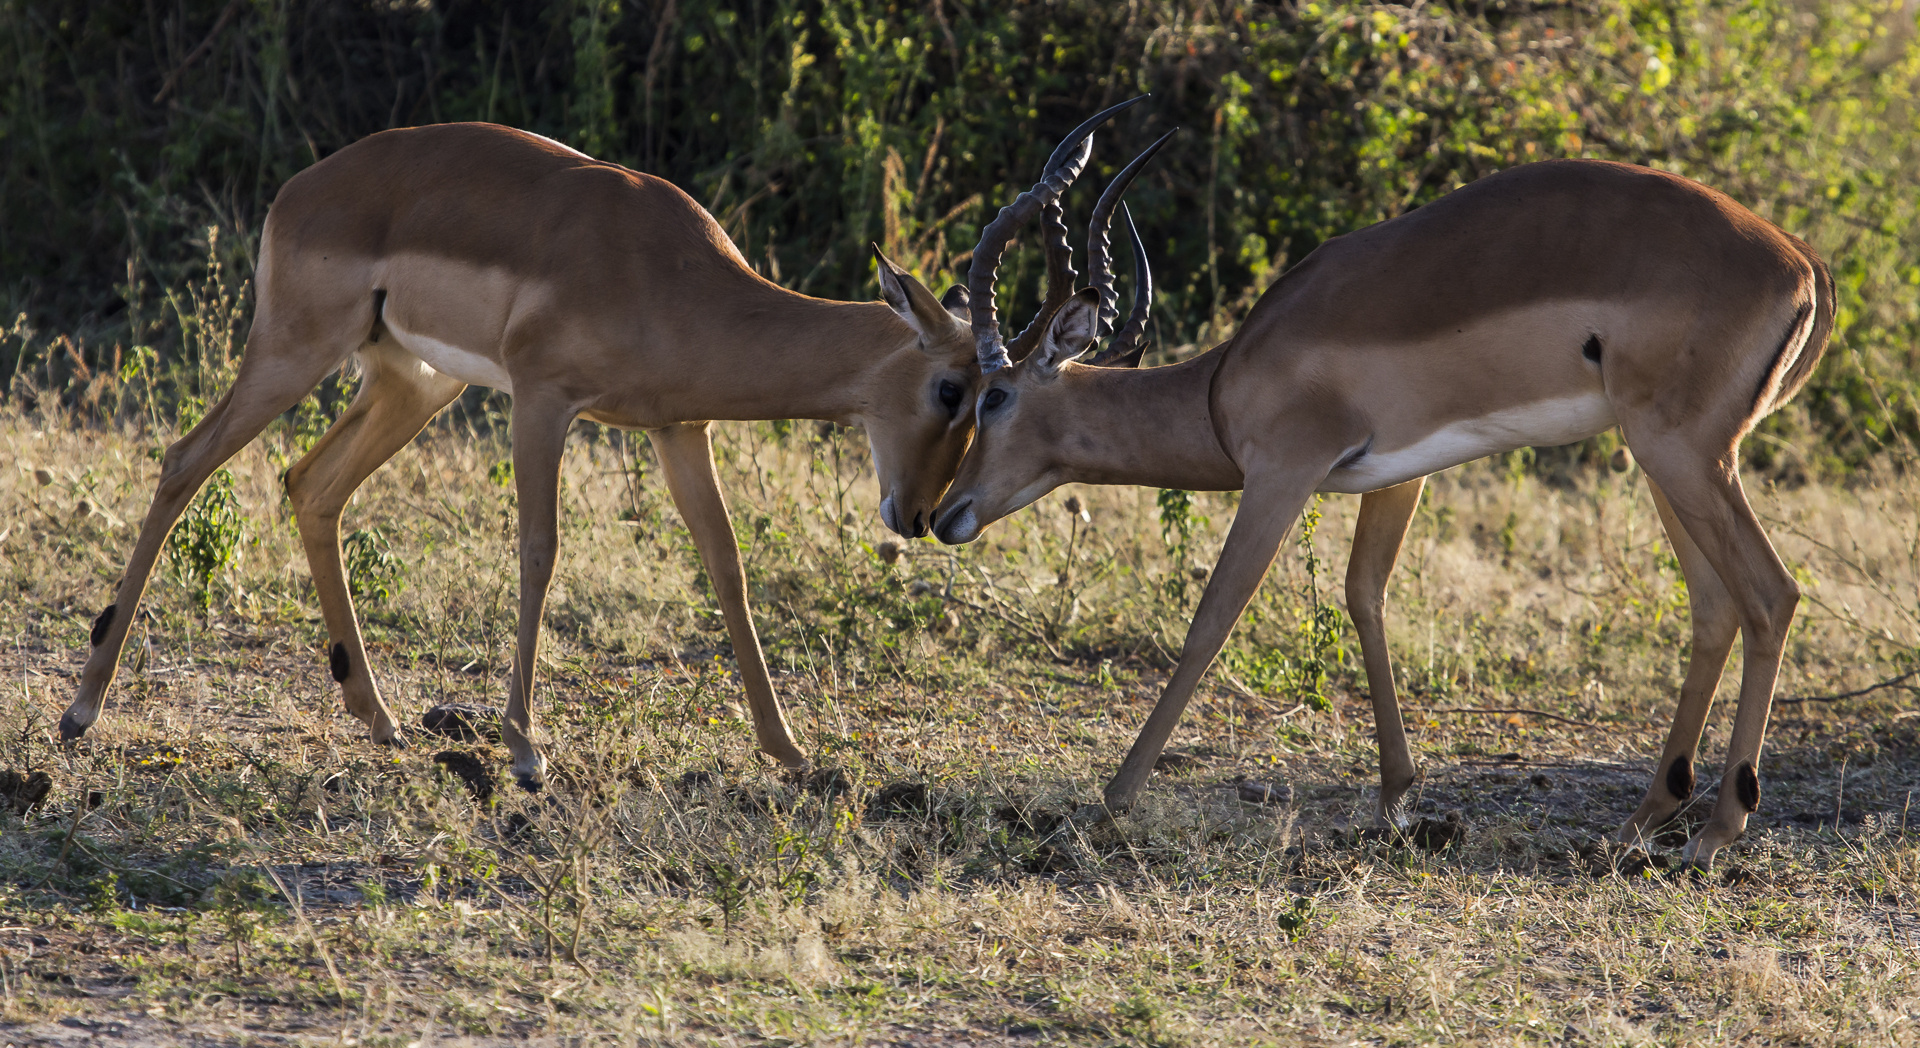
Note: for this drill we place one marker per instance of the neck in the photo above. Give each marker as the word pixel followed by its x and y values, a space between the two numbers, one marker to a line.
pixel 763 353
pixel 1151 427
pixel 787 355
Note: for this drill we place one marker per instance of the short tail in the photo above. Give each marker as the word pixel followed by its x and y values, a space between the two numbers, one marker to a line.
pixel 1796 373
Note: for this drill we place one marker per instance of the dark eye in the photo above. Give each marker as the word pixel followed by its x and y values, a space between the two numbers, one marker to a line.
pixel 993 399
pixel 950 396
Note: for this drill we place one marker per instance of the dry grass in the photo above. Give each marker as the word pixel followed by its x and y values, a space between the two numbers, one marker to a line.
pixel 225 859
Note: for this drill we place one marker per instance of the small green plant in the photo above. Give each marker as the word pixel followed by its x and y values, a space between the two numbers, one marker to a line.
pixel 207 539
pixel 239 902
pixel 103 895
pixel 1309 651
pixel 731 889
pixel 1294 923
pixel 1178 522
pixel 1319 623
pixel 1139 1018
pixel 374 573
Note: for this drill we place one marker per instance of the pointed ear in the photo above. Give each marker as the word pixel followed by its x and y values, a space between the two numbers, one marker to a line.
pixel 958 301
pixel 913 302
pixel 1070 332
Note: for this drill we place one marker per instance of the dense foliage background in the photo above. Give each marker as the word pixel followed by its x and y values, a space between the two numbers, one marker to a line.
pixel 141 142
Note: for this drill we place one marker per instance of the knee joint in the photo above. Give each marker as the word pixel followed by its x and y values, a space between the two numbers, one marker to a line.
pixel 1365 602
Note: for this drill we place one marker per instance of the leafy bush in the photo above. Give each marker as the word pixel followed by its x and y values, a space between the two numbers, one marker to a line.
pixel 811 128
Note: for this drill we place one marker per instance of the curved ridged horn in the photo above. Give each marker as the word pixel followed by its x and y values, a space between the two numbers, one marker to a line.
pixel 1099 257
pixel 1060 277
pixel 1062 168
pixel 1126 348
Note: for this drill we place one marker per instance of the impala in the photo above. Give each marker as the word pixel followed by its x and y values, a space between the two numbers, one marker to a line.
pixel 1538 306
pixel 462 254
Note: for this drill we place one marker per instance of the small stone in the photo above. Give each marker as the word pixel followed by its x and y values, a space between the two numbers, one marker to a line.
pixel 695 779
pixel 1435 834
pixel 42 477
pixel 23 791
pixel 1620 461
pixel 1265 793
pixel 1197 573
pixel 463 721
pixel 919 588
pixel 899 799
pixel 1171 759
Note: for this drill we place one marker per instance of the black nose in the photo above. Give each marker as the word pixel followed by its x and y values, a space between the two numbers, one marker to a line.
pixel 919 524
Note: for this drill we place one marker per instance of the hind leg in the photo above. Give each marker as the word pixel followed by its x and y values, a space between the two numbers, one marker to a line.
pixel 1716 621
pixel 1377 537
pixel 278 369
pixel 397 398
pixel 1703 490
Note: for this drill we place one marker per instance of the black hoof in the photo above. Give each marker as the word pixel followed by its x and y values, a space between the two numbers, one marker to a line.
pixel 530 784
pixel 69 729
pixel 398 741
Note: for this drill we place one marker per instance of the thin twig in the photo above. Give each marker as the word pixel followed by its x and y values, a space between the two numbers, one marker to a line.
pixel 1529 713
pixel 300 913
pixel 226 15
pixel 1888 683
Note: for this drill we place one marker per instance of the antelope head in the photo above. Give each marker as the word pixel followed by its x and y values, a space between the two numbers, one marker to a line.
pixel 917 416
pixel 1030 386
pixel 914 414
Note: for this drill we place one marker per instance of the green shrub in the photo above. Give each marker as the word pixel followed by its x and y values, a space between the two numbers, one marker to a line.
pixel 812 128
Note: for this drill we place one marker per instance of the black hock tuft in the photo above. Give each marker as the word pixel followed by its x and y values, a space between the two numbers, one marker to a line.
pixel 1680 777
pixel 102 623
pixel 337 662
pixel 1747 784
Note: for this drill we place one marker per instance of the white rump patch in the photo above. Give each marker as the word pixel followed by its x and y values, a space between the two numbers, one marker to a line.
pixel 449 360
pixel 1544 423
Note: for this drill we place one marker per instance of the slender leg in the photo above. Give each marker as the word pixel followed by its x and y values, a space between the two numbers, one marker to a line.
pixel 1384 516
pixel 275 373
pixel 1706 498
pixel 1716 622
pixel 396 399
pixel 687 454
pixel 1267 512
pixel 539 440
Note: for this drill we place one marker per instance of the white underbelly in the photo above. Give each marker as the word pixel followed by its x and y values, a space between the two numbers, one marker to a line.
pixel 450 360
pixel 1544 423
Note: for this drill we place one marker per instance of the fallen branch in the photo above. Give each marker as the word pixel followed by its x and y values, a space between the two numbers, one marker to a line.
pixel 1528 713
pixel 1888 683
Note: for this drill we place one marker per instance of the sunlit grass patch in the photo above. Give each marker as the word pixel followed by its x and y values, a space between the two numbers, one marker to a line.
pixel 226 834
